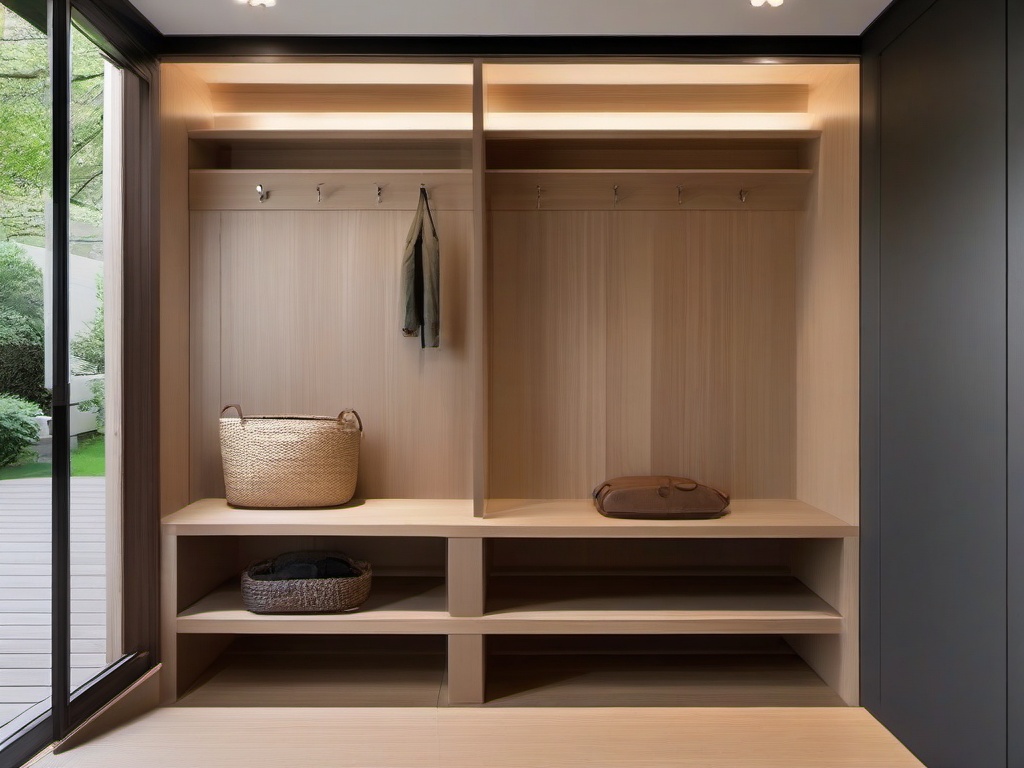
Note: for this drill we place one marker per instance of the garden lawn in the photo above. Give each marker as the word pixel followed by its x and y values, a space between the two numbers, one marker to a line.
pixel 88 460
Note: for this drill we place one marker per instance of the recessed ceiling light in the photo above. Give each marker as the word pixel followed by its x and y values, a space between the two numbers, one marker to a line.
pixel 270 3
pixel 772 3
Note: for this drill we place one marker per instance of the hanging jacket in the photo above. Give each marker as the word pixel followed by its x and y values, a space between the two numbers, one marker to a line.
pixel 421 278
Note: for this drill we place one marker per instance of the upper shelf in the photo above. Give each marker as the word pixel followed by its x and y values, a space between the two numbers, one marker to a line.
pixel 327 134
pixel 506 518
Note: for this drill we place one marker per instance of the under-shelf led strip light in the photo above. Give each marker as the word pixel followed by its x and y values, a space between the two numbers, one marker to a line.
pixel 772 3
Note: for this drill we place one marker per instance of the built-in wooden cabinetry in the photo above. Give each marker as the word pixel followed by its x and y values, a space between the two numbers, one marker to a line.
pixel 646 268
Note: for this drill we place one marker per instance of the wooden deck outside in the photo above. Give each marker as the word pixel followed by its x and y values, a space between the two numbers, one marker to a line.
pixel 25 593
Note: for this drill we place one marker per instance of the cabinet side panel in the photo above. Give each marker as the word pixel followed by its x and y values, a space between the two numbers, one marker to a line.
pixel 184 105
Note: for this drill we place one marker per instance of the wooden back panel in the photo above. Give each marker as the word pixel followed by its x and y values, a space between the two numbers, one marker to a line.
pixel 298 312
pixel 642 342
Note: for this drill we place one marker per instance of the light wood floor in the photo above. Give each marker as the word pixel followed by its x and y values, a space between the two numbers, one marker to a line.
pixel 25 593
pixel 184 737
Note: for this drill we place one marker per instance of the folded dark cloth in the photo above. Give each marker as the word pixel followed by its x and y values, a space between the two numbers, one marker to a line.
pixel 309 565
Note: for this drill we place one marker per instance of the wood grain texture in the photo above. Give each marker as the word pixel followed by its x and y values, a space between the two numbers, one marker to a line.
pixel 649 190
pixel 646 97
pixel 231 737
pixel 140 697
pixel 184 105
pixel 235 190
pixel 704 738
pixel 480 296
pixel 521 605
pixel 205 353
pixel 316 328
pixel 467 661
pixel 578 353
pixel 509 518
pixel 347 97
pixel 655 680
pixel 828 364
pixel 168 616
pixel 466 577
pixel 302 680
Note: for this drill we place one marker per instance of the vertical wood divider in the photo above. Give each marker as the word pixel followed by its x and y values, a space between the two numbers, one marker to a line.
pixel 479 304
pixel 466 661
pixel 467 577
pixel 168 617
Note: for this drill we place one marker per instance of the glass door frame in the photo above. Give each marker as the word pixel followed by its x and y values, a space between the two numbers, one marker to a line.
pixel 140 326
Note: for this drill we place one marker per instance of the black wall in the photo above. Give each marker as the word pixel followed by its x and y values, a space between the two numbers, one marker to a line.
pixel 935 431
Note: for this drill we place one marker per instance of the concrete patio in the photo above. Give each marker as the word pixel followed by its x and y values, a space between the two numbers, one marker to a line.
pixel 25 593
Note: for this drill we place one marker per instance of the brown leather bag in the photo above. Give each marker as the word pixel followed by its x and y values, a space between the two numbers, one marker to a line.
pixel 659 498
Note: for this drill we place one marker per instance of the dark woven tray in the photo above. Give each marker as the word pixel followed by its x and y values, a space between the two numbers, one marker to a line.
pixel 322 595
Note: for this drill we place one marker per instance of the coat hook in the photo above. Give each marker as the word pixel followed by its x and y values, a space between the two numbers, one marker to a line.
pixel 425 190
pixel 379 193
pixel 319 195
pixel 679 194
pixel 538 198
pixel 615 195
pixel 264 194
pixel 743 195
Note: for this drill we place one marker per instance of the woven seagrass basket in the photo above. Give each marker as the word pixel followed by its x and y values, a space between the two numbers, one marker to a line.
pixel 330 595
pixel 290 461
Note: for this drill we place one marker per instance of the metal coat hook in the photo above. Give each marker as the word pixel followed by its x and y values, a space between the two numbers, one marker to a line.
pixel 264 194
pixel 743 195
pixel 615 195
pixel 538 198
pixel 380 192
pixel 679 194
pixel 319 195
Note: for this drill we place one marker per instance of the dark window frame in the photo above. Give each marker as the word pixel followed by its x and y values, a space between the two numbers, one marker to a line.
pixel 131 47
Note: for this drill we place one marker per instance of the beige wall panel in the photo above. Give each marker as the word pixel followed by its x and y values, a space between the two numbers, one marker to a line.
pixel 310 323
pixel 184 105
pixel 548 353
pixel 207 479
pixel 642 342
pixel 637 239
pixel 828 307
pixel 763 319
pixel 828 366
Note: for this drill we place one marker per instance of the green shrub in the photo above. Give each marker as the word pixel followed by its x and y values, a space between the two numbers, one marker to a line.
pixel 97 403
pixel 18 428
pixel 21 285
pixel 87 348
pixel 22 360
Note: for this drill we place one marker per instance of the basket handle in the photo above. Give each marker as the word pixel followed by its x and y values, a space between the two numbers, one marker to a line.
pixel 236 407
pixel 350 413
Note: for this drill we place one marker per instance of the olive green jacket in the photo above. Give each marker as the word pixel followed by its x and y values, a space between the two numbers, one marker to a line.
pixel 421 278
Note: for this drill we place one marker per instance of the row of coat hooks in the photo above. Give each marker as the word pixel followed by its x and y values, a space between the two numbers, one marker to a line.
pixel 743 193
pixel 263 194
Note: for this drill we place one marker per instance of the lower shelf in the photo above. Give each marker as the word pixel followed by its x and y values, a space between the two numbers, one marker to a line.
pixel 410 672
pixel 782 680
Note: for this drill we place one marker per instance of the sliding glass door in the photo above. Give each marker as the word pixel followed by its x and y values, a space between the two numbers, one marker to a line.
pixel 62 224
pixel 26 396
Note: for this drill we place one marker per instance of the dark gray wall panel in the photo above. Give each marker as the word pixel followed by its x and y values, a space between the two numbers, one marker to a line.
pixel 942 385
pixel 1015 381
